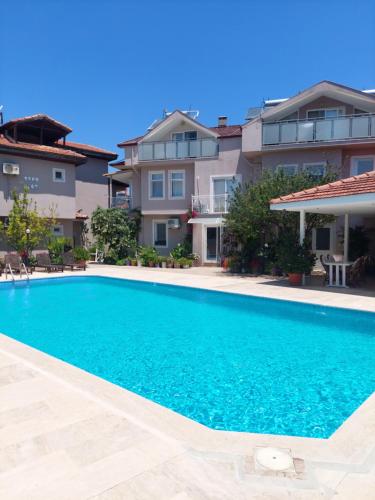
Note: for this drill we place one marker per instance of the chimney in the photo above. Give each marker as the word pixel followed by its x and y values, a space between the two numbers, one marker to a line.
pixel 222 121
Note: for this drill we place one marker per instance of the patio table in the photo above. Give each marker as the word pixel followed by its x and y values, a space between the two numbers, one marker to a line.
pixel 339 266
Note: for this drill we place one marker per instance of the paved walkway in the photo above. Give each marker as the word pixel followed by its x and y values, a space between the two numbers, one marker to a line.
pixel 66 434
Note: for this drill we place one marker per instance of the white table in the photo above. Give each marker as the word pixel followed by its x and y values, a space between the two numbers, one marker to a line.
pixel 339 266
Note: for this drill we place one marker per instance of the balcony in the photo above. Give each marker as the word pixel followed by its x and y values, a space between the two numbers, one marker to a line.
pixel 210 204
pixel 177 150
pixel 124 202
pixel 321 130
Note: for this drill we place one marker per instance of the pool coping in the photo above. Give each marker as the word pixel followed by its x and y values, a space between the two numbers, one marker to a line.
pixel 350 443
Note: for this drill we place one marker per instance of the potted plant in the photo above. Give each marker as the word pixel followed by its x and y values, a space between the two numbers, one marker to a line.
pixel 81 255
pixel 148 256
pixel 163 262
pixel 296 260
pixel 169 262
pixel 185 263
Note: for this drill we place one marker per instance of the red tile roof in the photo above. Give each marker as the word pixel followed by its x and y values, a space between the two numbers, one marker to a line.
pixel 32 118
pixel 50 151
pixel 87 148
pixel 359 184
pixel 227 131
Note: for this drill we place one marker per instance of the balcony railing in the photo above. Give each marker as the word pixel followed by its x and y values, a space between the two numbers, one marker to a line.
pixel 176 150
pixel 211 204
pixel 332 129
pixel 124 202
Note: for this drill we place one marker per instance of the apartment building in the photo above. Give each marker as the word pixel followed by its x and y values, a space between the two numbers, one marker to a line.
pixel 327 126
pixel 67 176
pixel 181 174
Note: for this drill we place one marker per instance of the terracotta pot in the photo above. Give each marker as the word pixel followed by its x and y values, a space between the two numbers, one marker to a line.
pixel 295 279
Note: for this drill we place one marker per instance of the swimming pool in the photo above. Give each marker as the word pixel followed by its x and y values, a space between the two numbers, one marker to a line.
pixel 228 361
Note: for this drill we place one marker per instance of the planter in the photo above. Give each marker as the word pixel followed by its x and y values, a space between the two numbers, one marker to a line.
pixel 150 264
pixel 176 265
pixel 295 279
pixel 163 265
pixel 139 263
pixel 186 267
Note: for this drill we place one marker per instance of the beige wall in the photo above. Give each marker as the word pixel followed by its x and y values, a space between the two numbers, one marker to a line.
pixel 91 186
pixel 333 157
pixel 175 236
pixel 43 190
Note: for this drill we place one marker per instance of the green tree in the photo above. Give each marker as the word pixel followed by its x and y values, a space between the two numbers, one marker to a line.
pixel 117 230
pixel 26 228
pixel 251 223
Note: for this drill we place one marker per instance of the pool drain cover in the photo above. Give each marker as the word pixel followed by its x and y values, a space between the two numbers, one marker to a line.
pixel 276 459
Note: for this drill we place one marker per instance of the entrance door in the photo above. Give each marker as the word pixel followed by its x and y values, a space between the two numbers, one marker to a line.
pixel 213 244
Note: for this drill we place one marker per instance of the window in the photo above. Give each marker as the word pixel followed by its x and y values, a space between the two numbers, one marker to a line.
pixel 191 135
pixel 361 165
pixel 58 230
pixel 223 189
pixel 177 184
pixel 316 114
pixel 316 170
pixel 287 169
pixel 323 239
pixel 58 175
pixel 156 185
pixel 160 231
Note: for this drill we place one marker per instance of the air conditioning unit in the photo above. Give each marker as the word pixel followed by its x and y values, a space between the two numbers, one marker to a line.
pixel 11 169
pixel 173 223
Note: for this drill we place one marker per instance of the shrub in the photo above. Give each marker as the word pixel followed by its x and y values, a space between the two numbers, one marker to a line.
pixel 148 255
pixel 81 254
pixel 58 246
pixel 121 262
pixel 293 257
pixel 185 262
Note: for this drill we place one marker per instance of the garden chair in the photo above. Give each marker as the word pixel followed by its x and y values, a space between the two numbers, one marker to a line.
pixel 70 263
pixel 43 261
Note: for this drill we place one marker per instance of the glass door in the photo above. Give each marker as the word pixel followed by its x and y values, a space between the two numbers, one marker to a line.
pixel 213 244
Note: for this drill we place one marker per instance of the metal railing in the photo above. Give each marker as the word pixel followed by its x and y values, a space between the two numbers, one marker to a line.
pixel 124 202
pixel 176 150
pixel 330 129
pixel 210 204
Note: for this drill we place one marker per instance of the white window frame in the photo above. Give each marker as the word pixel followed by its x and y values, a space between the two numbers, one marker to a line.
pixel 170 181
pixel 281 166
pixel 354 166
pixel 338 108
pixel 312 163
pixel 151 172
pixel 61 230
pixel 154 223
pixel 54 171
pixel 238 177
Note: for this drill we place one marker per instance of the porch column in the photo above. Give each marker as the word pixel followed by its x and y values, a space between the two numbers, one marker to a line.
pixel 302 217
pixel 302 226
pixel 110 192
pixel 346 238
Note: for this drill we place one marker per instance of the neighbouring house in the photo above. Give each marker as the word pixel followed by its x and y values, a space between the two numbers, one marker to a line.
pixel 327 126
pixel 65 175
pixel 181 167
pixel 181 174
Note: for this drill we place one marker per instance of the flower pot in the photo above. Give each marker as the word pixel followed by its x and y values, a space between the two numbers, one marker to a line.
pixel 295 279
pixel 163 265
pixel 150 264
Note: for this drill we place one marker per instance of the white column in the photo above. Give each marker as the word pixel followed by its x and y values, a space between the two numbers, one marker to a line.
pixel 346 238
pixel 301 226
pixel 110 192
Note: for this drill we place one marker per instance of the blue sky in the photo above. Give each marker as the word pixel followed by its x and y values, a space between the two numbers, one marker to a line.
pixel 108 68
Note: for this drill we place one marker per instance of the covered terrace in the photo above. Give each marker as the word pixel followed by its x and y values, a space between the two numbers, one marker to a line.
pixel 350 196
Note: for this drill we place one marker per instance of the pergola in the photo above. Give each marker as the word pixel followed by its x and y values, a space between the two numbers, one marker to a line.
pixel 354 195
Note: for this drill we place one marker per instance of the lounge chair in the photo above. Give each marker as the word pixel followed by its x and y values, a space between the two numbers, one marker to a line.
pixel 43 261
pixel 70 263
pixel 14 264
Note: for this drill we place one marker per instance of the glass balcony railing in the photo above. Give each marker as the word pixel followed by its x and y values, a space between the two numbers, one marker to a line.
pixel 211 204
pixel 124 202
pixel 176 150
pixel 332 129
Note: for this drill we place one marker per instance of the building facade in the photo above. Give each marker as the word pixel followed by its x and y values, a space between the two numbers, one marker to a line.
pixel 181 174
pixel 60 175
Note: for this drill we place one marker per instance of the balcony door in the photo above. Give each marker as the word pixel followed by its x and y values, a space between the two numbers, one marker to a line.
pixel 222 190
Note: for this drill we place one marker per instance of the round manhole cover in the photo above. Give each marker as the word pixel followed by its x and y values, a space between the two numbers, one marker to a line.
pixel 273 459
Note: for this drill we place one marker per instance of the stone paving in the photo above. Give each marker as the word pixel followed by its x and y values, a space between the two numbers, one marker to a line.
pixel 66 434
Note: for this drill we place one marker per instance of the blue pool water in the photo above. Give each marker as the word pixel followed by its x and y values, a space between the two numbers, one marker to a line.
pixel 228 361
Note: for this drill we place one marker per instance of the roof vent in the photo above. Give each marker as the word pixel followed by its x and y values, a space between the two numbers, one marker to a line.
pixel 222 121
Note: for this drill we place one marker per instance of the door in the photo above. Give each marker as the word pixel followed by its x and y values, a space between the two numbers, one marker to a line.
pixel 223 189
pixel 213 244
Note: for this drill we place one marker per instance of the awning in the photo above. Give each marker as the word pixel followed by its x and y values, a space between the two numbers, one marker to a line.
pixel 207 220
